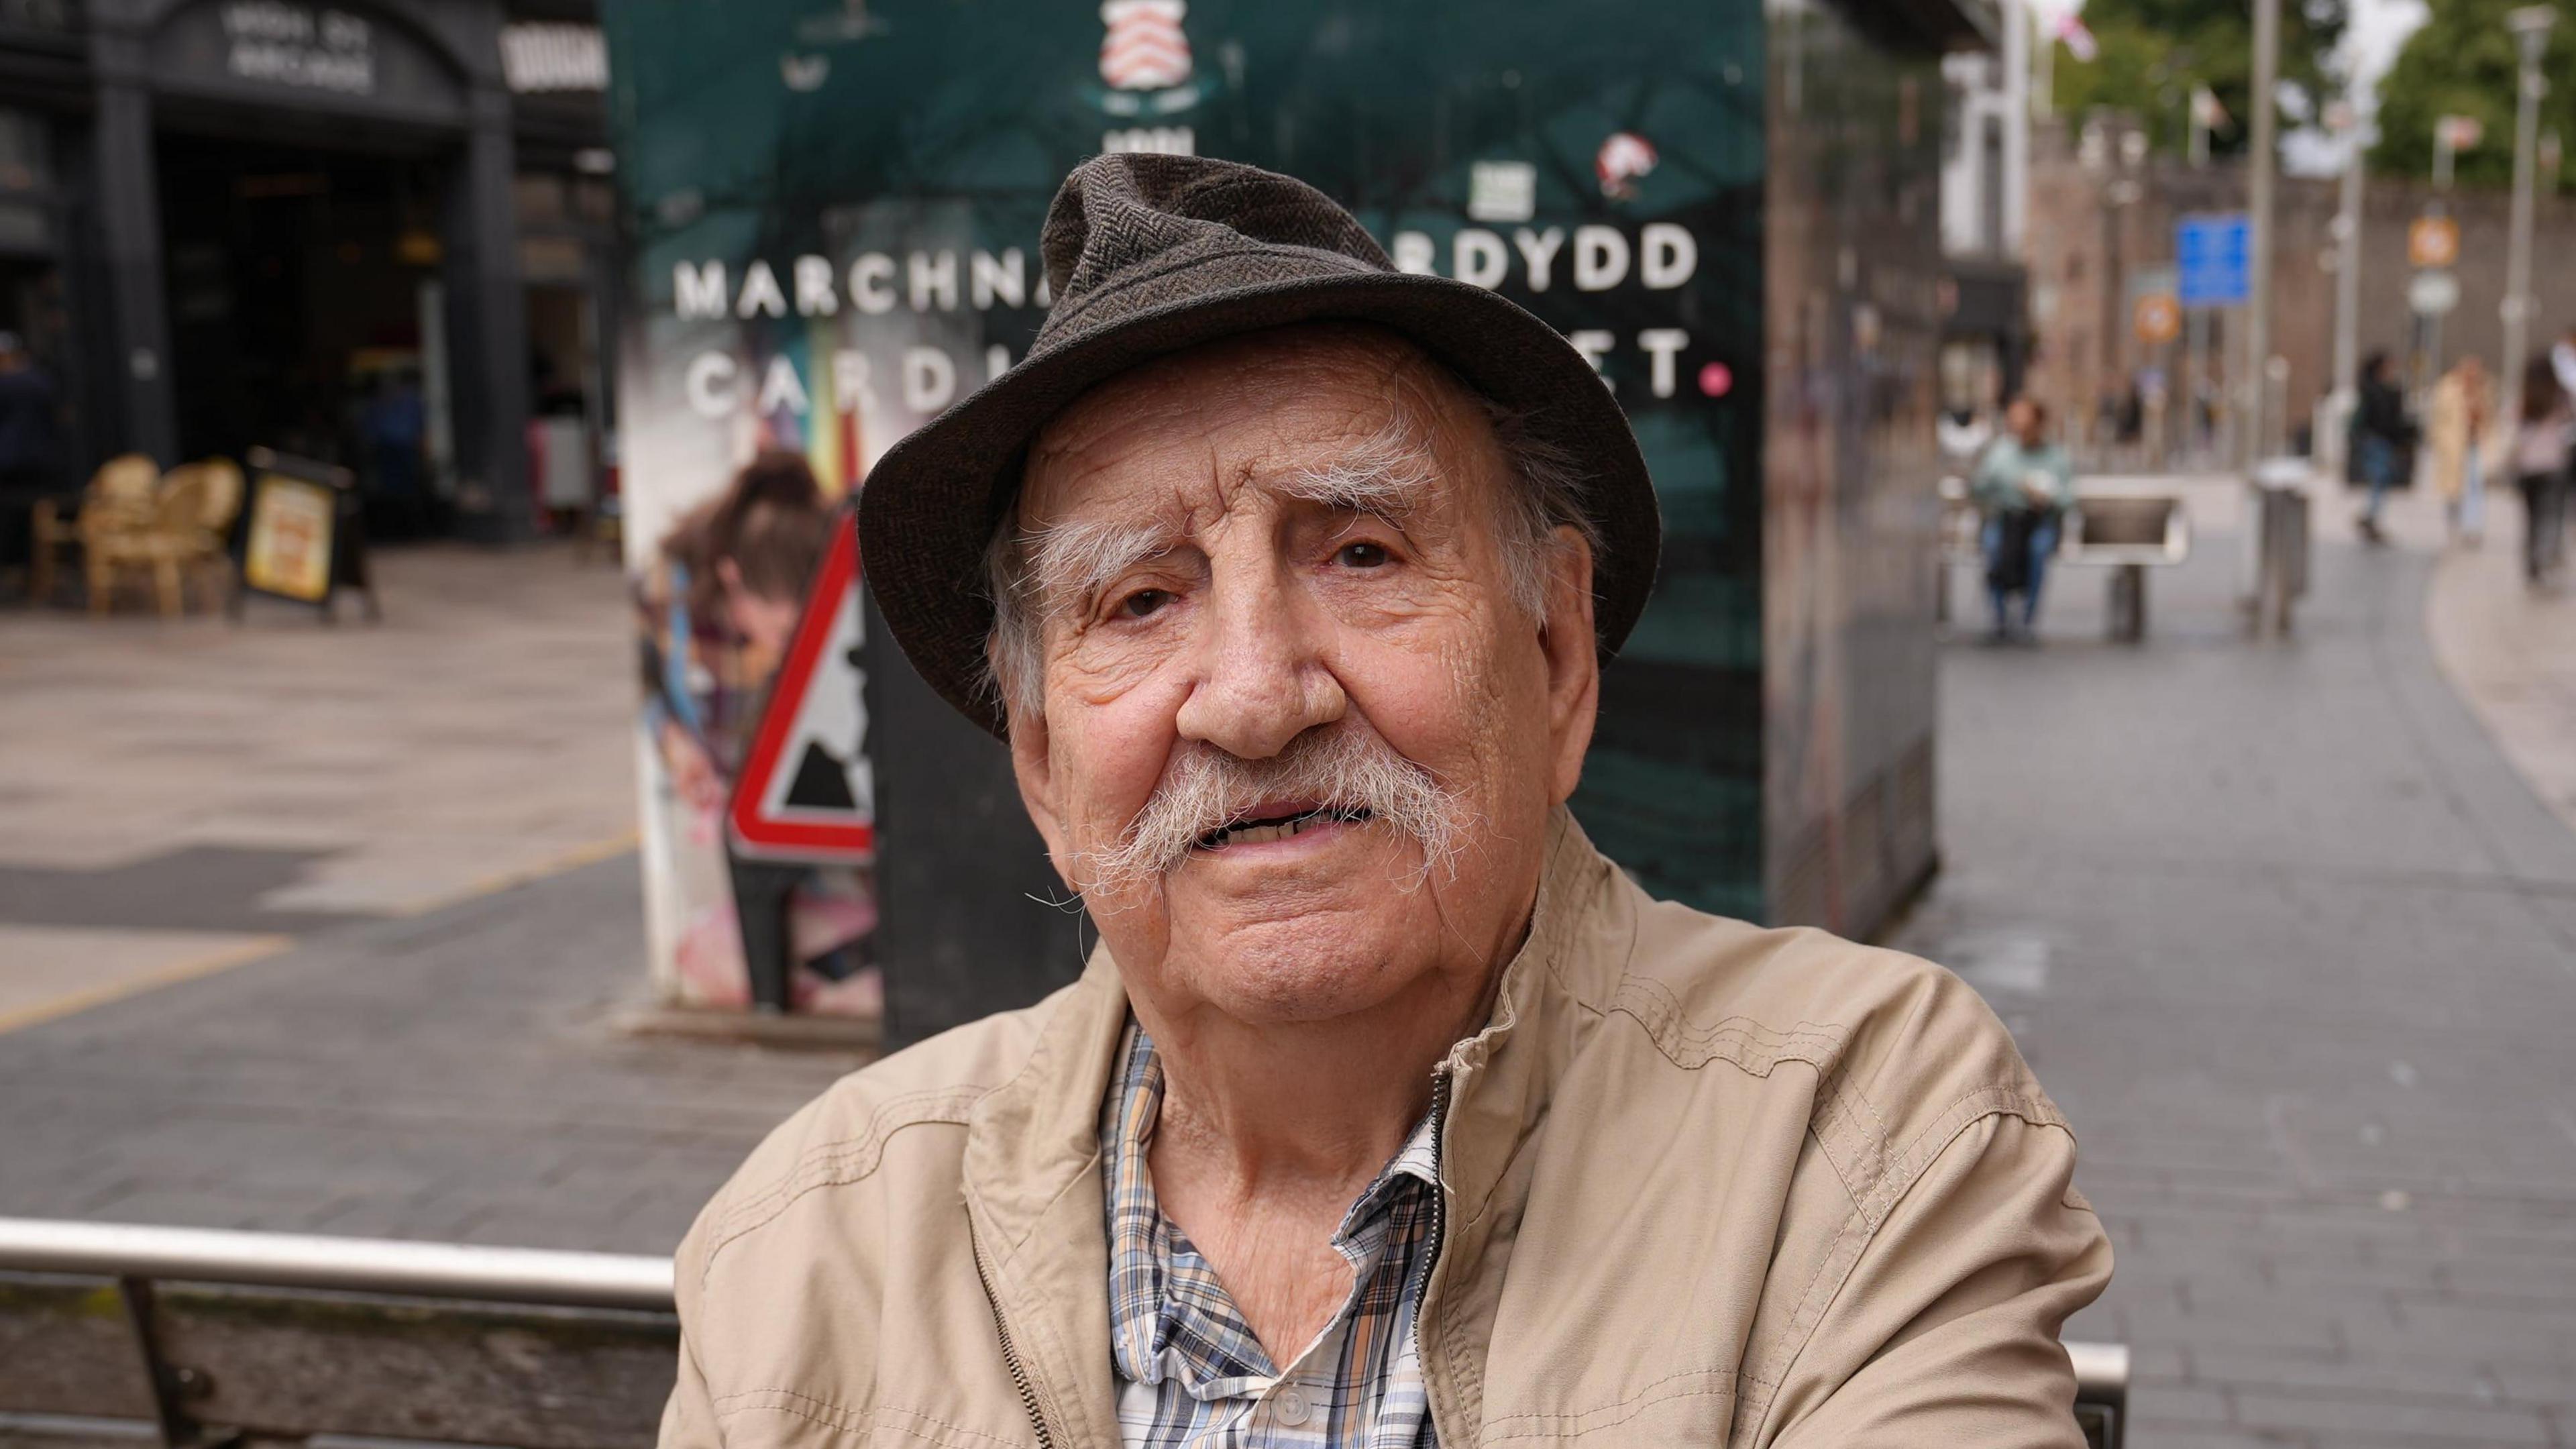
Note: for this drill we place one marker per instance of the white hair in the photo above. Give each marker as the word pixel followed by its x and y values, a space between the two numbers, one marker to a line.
pixel 1030 574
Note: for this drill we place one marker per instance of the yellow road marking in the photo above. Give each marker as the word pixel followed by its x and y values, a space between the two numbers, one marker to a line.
pixel 259 947
pixel 572 859
pixel 238 954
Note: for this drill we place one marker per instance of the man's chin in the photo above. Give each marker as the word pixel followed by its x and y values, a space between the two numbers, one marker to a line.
pixel 1291 947
pixel 1272 976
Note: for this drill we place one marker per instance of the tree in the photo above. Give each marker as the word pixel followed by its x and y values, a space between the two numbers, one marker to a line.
pixel 2151 53
pixel 2462 63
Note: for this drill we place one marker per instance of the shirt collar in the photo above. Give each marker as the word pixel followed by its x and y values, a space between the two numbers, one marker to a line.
pixel 1167 1311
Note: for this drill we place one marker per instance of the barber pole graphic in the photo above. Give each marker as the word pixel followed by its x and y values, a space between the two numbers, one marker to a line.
pixel 1144 49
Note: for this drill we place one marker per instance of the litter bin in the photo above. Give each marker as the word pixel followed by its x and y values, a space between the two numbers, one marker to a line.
pixel 2275 573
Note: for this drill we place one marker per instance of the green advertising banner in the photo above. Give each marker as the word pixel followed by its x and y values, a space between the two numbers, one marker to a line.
pixel 835 210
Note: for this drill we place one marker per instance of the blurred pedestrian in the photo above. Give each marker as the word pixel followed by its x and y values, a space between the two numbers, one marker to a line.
pixel 2381 436
pixel 2540 458
pixel 1963 433
pixel 394 425
pixel 27 443
pixel 2562 361
pixel 27 438
pixel 2024 485
pixel 2456 426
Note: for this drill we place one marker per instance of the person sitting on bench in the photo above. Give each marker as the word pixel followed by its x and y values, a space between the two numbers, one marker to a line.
pixel 2023 486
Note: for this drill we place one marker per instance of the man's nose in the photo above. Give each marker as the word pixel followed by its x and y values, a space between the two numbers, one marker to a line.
pixel 1262 677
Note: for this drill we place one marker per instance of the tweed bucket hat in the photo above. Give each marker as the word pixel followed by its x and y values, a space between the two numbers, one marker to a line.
pixel 1148 255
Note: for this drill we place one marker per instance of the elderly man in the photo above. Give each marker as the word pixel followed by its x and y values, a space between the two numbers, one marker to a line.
pixel 1388 1113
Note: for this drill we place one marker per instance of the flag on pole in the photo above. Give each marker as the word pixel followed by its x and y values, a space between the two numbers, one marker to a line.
pixel 2078 40
pixel 2207 111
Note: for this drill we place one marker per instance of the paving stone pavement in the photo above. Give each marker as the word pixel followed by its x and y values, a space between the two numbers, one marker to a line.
pixel 182 795
pixel 2295 949
pixel 453 1076
pixel 2511 652
pixel 481 730
pixel 289 848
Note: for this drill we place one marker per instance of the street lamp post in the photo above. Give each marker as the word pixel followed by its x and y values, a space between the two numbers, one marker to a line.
pixel 2329 443
pixel 2530 27
pixel 2258 311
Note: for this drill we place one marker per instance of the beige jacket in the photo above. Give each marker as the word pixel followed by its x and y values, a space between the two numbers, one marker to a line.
pixel 1701 1184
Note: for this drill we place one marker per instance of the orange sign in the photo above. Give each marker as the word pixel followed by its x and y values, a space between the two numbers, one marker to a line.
pixel 2433 241
pixel 2158 319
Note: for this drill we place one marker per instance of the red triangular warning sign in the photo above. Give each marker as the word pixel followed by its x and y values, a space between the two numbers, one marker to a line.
pixel 807 792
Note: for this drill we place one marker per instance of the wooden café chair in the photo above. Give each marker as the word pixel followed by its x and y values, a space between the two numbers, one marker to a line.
pixel 122 487
pixel 169 539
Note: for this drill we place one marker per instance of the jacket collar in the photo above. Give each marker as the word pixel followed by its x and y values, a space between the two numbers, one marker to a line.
pixel 1032 1163
pixel 1552 992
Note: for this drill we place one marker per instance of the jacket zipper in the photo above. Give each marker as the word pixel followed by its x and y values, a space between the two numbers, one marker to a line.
pixel 1439 1222
pixel 1011 1354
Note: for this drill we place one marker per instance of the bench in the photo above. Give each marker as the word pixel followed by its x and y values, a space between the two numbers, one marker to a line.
pixel 2129 533
pixel 192 1338
pixel 2126 532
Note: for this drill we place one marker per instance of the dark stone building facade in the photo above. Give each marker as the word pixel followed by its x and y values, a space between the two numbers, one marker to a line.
pixel 228 223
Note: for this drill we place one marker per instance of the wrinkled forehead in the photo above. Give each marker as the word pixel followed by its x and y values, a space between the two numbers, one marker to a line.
pixel 1191 436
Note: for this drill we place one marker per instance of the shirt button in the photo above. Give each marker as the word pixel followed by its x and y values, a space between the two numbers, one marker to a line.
pixel 1293 1407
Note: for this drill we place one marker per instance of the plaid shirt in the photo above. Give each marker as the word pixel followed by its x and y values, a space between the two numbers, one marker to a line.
pixel 1191 1373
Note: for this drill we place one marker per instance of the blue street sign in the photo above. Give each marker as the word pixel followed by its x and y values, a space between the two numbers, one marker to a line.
pixel 2211 259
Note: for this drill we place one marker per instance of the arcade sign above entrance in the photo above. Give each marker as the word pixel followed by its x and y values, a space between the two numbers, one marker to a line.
pixel 297 45
pixel 340 57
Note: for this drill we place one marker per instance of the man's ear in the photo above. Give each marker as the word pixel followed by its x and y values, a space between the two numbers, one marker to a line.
pixel 1034 771
pixel 1573 656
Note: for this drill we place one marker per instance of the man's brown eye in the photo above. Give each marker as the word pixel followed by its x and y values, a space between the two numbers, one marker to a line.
pixel 1143 602
pixel 1361 555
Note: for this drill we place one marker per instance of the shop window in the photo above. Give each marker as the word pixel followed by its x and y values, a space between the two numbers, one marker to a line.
pixel 26 160
pixel 539 196
pixel 551 259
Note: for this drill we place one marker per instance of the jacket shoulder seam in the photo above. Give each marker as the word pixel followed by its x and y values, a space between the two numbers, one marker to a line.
pixel 1739 1041
pixel 842 1160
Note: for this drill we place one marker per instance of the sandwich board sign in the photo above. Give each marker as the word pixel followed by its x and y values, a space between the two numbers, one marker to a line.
pixel 806 791
pixel 288 552
pixel 307 537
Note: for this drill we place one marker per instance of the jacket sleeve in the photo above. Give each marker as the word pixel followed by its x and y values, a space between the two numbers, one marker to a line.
pixel 688 1417
pixel 1945 1330
pixel 2061 468
pixel 1987 486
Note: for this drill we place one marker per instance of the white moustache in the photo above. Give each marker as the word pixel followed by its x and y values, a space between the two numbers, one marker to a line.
pixel 1346 771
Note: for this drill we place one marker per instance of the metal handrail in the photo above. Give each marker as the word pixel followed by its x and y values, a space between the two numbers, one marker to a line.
pixel 2101 1369
pixel 350 1265
pixel 457 1270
